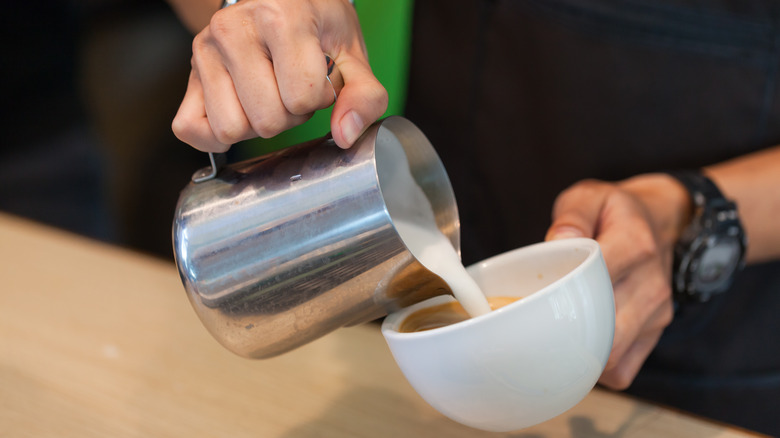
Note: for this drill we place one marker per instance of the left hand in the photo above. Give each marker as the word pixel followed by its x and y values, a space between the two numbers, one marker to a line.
pixel 636 222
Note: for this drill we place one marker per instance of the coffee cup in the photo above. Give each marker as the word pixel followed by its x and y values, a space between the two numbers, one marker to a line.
pixel 523 363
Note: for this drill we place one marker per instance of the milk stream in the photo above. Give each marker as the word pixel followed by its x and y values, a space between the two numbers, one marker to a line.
pixel 415 222
pixel 434 250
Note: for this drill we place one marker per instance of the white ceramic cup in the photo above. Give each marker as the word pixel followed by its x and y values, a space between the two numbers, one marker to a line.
pixel 528 361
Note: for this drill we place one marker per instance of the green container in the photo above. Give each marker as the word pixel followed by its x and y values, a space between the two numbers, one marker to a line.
pixel 386 28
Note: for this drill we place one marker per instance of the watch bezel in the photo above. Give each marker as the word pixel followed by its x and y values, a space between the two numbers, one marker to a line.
pixel 689 283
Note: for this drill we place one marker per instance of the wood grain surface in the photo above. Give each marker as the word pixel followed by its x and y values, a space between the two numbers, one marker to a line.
pixel 99 341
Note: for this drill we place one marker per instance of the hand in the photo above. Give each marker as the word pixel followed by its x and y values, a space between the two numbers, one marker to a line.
pixel 636 223
pixel 259 69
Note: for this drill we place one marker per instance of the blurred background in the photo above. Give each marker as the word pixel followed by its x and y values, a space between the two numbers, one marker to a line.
pixel 91 88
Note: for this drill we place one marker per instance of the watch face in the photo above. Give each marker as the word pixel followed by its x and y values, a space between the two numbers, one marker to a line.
pixel 717 263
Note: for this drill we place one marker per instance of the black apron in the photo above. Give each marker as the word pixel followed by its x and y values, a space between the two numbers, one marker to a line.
pixel 523 98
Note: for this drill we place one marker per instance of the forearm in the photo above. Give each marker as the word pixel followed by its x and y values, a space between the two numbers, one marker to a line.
pixel 195 14
pixel 753 182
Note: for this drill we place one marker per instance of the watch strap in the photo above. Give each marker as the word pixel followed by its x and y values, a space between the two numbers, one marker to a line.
pixel 702 190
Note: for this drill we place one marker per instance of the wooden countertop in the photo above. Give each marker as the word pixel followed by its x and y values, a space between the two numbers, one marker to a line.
pixel 98 341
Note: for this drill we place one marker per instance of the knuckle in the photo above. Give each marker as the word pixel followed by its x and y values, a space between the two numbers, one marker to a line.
pixel 645 246
pixel 590 184
pixel 644 243
pixel 374 92
pixel 220 25
pixel 229 133
pixel 300 100
pixel 270 16
pixel 383 99
pixel 268 126
pixel 182 130
pixel 185 132
pixel 584 189
pixel 198 43
pixel 378 93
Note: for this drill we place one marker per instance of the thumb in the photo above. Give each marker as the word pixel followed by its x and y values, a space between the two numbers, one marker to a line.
pixel 577 210
pixel 361 102
pixel 557 231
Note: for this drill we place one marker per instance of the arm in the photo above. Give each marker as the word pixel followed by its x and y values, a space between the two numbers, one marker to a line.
pixel 195 14
pixel 753 181
pixel 259 68
pixel 637 222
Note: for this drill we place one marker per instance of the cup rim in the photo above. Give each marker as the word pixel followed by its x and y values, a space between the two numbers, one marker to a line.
pixel 392 321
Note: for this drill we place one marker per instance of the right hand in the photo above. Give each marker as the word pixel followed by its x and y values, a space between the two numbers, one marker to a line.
pixel 259 69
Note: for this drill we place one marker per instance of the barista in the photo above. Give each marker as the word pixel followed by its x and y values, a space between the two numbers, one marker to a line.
pixel 528 101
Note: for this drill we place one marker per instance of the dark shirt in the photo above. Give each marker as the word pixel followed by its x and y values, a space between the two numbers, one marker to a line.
pixel 523 98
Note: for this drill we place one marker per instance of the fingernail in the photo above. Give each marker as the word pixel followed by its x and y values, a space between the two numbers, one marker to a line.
pixel 351 127
pixel 564 233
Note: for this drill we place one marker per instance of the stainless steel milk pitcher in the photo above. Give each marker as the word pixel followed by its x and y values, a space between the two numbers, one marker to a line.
pixel 279 250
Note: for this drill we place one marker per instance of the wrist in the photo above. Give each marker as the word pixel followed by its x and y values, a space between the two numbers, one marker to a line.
pixel 667 202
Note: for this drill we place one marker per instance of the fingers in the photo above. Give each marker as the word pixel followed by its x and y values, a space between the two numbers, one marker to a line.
pixel 636 334
pixel 639 267
pixel 602 211
pixel 223 109
pixel 278 68
pixel 643 309
pixel 626 237
pixel 361 102
pixel 300 69
pixel 259 68
pixel 620 377
pixel 211 117
pixel 259 94
pixel 577 210
pixel 191 125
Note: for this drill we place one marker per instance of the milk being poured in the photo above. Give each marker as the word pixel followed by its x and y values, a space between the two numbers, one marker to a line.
pixel 414 220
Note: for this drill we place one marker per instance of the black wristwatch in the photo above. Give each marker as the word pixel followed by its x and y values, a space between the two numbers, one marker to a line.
pixel 711 250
